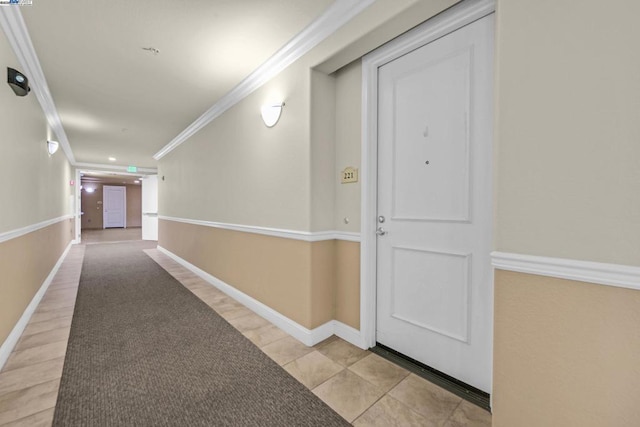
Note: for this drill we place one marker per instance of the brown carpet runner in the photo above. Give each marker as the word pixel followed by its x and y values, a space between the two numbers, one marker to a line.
pixel 145 351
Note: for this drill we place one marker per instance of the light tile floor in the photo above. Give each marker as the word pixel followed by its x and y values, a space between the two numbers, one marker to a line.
pixel 364 388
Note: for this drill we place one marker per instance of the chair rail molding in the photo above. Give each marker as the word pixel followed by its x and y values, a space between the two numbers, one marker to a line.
pixel 617 275
pixel 307 236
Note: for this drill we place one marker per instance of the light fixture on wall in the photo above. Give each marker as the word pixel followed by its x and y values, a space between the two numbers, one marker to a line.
pixel 52 147
pixel 19 82
pixel 271 113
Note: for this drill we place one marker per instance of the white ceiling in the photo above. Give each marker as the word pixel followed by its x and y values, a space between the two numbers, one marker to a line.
pixel 116 99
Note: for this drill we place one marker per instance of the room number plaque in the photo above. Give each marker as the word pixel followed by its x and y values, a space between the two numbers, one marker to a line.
pixel 348 175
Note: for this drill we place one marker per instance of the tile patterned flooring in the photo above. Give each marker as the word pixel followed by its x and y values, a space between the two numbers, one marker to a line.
pixel 362 387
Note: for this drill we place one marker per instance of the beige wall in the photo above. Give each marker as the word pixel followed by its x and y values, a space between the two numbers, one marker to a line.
pixel 323 143
pixel 25 262
pixel 39 184
pixel 236 170
pixel 566 353
pixel 301 280
pixel 347 283
pixel 568 185
pixel 274 271
pixel 348 113
pixel 568 129
pixel 134 206
pixel 92 207
pixel 36 189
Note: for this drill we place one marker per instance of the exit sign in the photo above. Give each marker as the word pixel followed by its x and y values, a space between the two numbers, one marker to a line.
pixel 132 169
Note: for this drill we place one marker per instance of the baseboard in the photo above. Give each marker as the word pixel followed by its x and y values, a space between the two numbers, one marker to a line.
pixel 309 337
pixel 11 341
pixel 349 334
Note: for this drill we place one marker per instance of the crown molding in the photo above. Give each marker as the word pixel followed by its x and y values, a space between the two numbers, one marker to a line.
pixel 623 276
pixel 338 14
pixel 115 168
pixel 16 31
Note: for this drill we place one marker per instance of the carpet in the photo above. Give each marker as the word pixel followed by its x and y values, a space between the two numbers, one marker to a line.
pixel 144 351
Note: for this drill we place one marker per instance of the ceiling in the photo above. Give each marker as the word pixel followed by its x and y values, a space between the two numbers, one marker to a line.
pixel 116 99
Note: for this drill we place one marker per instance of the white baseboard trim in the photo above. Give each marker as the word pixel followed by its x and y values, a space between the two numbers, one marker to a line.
pixel 617 275
pixel 349 334
pixel 16 332
pixel 309 337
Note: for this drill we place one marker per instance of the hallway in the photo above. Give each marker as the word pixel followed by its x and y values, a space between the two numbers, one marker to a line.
pixel 363 388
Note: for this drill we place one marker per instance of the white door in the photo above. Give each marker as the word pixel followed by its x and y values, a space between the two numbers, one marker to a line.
pixel 434 277
pixel 114 203
pixel 150 208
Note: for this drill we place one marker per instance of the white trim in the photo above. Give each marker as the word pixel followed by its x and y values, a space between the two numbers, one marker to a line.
pixel 456 17
pixel 309 337
pixel 338 14
pixel 78 206
pixel 349 334
pixel 8 235
pixel 617 275
pixel 307 236
pixel 11 341
pixel 97 167
pixel 18 36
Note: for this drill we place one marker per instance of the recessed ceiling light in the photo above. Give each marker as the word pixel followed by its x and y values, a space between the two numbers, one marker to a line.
pixel 136 182
pixel 112 159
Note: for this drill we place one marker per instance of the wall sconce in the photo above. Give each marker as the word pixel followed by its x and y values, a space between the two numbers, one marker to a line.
pixel 52 147
pixel 271 113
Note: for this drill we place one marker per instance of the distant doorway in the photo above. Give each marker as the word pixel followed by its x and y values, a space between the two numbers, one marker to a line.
pixel 114 206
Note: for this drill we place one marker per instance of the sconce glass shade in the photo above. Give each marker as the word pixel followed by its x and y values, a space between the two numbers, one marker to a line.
pixel 52 147
pixel 271 113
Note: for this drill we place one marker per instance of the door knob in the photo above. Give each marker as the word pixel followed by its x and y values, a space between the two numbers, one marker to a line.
pixel 380 231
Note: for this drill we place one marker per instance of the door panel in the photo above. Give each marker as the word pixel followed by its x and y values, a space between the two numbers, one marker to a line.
pixel 434 284
pixel 114 204
pixel 433 132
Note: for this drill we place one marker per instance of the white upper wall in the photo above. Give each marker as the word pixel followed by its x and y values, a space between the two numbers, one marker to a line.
pixel 235 170
pixel 348 142
pixel 36 186
pixel 238 171
pixel 568 129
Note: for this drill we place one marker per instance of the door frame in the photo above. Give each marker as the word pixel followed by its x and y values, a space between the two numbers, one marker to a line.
pixel 104 205
pixel 446 22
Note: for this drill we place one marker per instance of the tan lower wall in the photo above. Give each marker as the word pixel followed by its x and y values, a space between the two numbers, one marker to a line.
pixel 565 353
pixel 25 263
pixel 323 273
pixel 348 283
pixel 298 279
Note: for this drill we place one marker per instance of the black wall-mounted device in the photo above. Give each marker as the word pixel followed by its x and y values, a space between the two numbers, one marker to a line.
pixel 18 82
